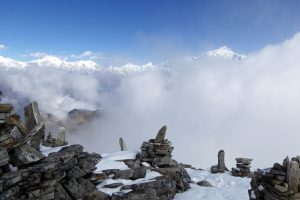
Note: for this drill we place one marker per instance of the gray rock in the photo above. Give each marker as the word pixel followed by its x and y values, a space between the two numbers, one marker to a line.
pixel 61 193
pixel 245 161
pixel 24 155
pixel 163 188
pixel 61 137
pixel 293 176
pixel 75 172
pixel 34 124
pixel 98 195
pixel 281 188
pixel 15 133
pixel 221 161
pixel 79 188
pixel 122 144
pixel 204 183
pixel 161 135
pixel 113 185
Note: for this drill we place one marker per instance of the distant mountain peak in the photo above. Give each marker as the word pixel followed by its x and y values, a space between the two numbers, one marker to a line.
pixel 225 52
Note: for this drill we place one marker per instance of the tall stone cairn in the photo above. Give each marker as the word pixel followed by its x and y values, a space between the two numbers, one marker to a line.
pixel 280 182
pixel 158 153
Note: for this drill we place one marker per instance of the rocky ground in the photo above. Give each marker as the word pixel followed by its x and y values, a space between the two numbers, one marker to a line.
pixel 36 166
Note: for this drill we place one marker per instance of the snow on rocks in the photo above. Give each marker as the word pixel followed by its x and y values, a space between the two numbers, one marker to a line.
pixel 149 174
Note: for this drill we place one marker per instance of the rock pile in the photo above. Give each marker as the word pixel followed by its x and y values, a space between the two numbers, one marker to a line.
pixel 243 166
pixel 62 175
pixel 158 151
pixel 220 167
pixel 281 182
pixel 27 173
pixel 155 156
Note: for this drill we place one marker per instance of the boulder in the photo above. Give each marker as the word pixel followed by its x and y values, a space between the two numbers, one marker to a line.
pixel 204 183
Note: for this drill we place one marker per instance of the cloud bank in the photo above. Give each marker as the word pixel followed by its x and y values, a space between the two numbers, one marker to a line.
pixel 248 107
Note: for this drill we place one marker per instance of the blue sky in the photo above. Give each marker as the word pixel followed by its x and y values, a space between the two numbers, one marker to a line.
pixel 144 29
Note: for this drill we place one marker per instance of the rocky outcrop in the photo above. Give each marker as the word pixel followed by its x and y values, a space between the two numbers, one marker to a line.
pixel 61 174
pixel 280 182
pixel 25 173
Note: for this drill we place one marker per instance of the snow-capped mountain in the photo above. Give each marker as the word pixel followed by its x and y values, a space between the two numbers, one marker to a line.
pixel 225 52
pixel 49 61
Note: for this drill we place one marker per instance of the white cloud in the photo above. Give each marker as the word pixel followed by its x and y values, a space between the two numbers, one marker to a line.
pixel 2 46
pixel 248 107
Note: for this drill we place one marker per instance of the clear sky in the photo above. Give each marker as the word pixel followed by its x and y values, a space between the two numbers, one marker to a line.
pixel 141 29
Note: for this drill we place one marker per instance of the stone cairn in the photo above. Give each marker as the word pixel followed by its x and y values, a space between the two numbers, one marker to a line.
pixel 280 182
pixel 155 155
pixel 25 173
pixel 60 140
pixel 157 151
pixel 243 166
pixel 220 167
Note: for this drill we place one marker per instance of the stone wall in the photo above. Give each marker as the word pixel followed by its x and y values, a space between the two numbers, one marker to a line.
pixel 280 182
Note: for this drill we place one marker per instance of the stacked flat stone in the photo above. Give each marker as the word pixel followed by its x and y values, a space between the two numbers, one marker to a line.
pixel 158 151
pixel 280 182
pixel 243 166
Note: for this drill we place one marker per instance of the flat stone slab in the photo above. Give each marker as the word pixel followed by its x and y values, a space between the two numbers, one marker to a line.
pixel 6 108
pixel 245 161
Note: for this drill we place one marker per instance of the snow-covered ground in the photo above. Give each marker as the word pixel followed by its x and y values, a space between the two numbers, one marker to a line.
pixel 225 186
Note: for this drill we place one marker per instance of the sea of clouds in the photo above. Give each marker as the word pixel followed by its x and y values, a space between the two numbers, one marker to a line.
pixel 249 107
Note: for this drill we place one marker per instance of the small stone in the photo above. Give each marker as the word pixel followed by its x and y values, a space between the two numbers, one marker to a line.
pixel 113 185
pixel 281 188
pixel 204 183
